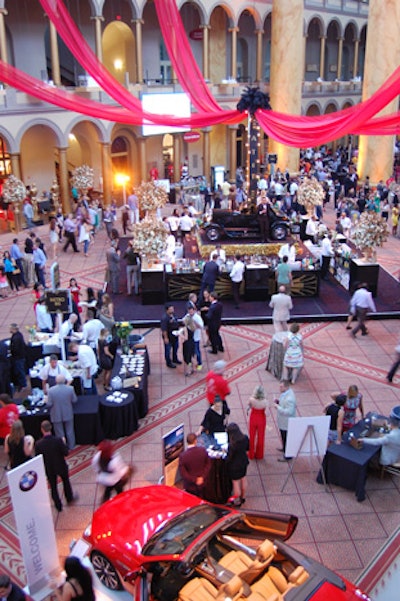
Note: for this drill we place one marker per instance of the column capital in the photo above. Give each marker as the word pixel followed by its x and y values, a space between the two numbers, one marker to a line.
pixel 259 31
pixel 138 21
pixel 322 37
pixel 233 126
pixel 206 130
pixel 97 18
pixel 4 12
pixel 233 29
pixel 204 26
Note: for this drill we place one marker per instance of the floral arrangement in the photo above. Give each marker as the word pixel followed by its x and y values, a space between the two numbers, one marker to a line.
pixel 310 193
pixel 13 189
pixel 151 196
pixel 370 231
pixel 149 236
pixel 82 178
pixel 123 329
pixel 31 331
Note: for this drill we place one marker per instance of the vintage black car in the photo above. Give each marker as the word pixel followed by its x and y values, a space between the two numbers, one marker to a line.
pixel 240 224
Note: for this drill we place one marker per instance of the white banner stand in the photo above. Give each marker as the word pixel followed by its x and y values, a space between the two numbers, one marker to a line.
pixel 35 527
pixel 307 436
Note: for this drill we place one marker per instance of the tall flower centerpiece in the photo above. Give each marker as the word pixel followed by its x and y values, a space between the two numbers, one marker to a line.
pixel 150 235
pixel 123 329
pixel 82 179
pixel 310 194
pixel 370 232
pixel 14 192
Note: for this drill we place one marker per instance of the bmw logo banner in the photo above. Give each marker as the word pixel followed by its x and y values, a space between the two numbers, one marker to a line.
pixel 35 527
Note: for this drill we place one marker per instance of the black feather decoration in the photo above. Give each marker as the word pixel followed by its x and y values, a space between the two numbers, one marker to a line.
pixel 253 99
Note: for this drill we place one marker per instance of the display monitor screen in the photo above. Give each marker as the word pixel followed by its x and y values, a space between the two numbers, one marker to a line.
pixel 177 105
pixel 221 438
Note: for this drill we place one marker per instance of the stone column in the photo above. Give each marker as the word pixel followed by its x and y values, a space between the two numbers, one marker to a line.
pixel 15 159
pixel 206 52
pixel 97 34
pixel 259 55
pixel 55 58
pixel 65 197
pixel 139 50
pixel 3 37
pixel 375 156
pixel 106 168
pixel 322 57
pixel 355 62
pixel 234 31
pixel 232 151
pixel 287 70
pixel 339 59
pixel 206 153
pixel 142 159
pixel 177 157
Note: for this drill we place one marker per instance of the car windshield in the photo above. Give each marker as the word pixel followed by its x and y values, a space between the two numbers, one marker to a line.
pixel 183 530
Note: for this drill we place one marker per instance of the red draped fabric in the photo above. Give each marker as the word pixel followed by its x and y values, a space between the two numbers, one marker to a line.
pixel 181 56
pixel 292 130
pixel 73 102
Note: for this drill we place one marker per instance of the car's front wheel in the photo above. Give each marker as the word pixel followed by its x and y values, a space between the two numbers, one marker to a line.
pixel 213 233
pixel 105 571
pixel 279 232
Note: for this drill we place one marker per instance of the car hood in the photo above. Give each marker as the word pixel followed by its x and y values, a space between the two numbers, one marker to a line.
pixel 128 521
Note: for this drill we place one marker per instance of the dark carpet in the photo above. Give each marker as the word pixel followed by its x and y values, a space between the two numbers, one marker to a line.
pixel 331 304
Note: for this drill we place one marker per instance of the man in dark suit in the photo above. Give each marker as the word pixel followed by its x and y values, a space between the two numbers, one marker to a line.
pixel 210 274
pixel 54 451
pixel 194 465
pixel 214 324
pixel 9 590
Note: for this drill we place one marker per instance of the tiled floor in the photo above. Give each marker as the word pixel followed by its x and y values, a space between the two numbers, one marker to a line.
pixel 333 527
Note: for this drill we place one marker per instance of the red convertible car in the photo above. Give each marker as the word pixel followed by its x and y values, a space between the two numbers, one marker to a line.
pixel 164 544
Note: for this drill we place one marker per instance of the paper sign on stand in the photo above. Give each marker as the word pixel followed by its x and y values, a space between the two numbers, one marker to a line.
pixel 35 527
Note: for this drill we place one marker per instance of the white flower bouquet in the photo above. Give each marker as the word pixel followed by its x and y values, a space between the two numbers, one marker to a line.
pixel 82 178
pixel 151 196
pixel 13 189
pixel 370 231
pixel 310 193
pixel 149 236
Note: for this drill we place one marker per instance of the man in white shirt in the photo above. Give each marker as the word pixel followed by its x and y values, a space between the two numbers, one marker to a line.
pixel 345 223
pixel 91 330
pixel 86 360
pixel 288 250
pixel 326 255
pixel 185 223
pixel 360 304
pixel 281 304
pixel 236 276
pixel 43 317
pixel 49 373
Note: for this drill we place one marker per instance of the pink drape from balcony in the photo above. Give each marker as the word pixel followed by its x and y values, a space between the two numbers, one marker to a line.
pixel 292 130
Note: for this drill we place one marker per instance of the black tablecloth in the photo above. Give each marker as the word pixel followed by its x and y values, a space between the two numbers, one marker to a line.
pixel 36 382
pixel 119 419
pixel 87 420
pixel 346 466
pixel 140 393
pixel 87 424
pixel 218 485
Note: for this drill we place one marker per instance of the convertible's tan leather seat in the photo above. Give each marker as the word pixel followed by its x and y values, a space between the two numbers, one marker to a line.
pixel 198 589
pixel 248 569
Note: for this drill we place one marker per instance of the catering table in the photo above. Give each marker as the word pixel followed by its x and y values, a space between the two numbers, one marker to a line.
pixel 276 354
pixel 218 485
pixel 138 387
pixel 87 424
pixel 346 466
pixel 119 418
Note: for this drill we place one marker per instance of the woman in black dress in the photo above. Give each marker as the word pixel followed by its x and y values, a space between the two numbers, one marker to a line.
pixel 106 357
pixel 238 460
pixel 78 585
pixel 215 417
pixel 17 445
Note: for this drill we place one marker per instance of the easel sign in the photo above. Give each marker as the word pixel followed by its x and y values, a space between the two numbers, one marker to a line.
pixel 307 436
pixel 173 445
pixel 58 301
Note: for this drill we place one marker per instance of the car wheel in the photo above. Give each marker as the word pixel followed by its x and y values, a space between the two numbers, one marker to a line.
pixel 213 233
pixel 279 232
pixel 105 571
